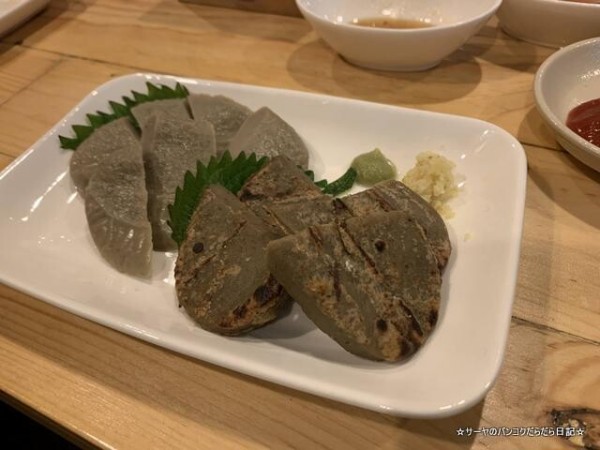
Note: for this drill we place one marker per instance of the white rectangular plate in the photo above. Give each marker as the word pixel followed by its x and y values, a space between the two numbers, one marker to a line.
pixel 47 252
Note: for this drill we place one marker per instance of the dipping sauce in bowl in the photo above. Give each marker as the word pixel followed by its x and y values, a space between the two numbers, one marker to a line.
pixel 390 22
pixel 585 121
pixel 397 35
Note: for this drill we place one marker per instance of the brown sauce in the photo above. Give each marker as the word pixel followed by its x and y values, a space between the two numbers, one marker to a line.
pixel 585 121
pixel 390 22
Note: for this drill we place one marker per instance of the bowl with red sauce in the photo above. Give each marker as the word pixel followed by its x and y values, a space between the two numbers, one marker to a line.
pixel 567 95
pixel 397 35
pixel 551 23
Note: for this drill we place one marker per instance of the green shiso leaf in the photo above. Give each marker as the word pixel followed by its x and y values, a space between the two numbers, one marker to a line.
pixel 231 174
pixel 226 171
pixel 118 110
pixel 342 184
pixel 337 187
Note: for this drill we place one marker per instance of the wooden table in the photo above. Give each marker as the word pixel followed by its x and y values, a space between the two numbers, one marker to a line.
pixel 103 388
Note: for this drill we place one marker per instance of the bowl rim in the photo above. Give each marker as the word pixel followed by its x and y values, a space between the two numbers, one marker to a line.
pixel 347 26
pixel 544 109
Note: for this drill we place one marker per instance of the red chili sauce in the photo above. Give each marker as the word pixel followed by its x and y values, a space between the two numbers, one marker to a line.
pixel 585 121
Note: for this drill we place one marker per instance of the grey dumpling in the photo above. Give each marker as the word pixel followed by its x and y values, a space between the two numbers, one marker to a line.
pixel 105 140
pixel 116 211
pixel 175 107
pixel 171 146
pixel 371 283
pixel 221 275
pixel 267 134
pixel 225 114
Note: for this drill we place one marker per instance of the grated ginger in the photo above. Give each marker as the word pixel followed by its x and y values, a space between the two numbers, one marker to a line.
pixel 433 179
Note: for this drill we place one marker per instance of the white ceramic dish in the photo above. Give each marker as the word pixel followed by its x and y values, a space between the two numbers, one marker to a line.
pixel 552 23
pixel 47 252
pixel 454 22
pixel 15 12
pixel 569 77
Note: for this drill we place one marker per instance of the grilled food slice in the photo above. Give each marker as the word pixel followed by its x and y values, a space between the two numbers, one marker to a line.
pixel 171 147
pixel 98 147
pixel 221 274
pixel 115 207
pixel 267 134
pixel 225 114
pixel 295 214
pixel 280 180
pixel 371 283
pixel 393 195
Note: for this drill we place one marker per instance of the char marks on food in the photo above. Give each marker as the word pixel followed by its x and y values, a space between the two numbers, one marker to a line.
pixel 376 304
pixel 226 287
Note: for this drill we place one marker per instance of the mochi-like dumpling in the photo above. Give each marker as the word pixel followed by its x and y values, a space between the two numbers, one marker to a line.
pixel 267 134
pixel 173 107
pixel 116 211
pixel 171 146
pixel 105 140
pixel 225 114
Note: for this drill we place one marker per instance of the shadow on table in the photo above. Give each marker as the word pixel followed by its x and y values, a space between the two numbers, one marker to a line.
pixel 508 52
pixel 46 22
pixel 577 192
pixel 315 64
pixel 231 20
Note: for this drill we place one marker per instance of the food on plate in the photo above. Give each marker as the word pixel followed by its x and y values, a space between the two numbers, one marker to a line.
pixel 253 232
pixel 221 274
pixel 279 202
pixel 226 115
pixel 101 143
pixel 173 107
pixel 223 171
pixel 280 180
pixel 433 179
pixel 373 167
pixel 171 146
pixel 115 208
pixel 120 110
pixel 267 134
pixel 584 120
pixel 372 283
pixel 302 207
pixel 299 213
pixel 393 195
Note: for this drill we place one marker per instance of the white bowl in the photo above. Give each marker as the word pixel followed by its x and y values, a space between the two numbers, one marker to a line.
pixel 552 23
pixel 453 23
pixel 569 77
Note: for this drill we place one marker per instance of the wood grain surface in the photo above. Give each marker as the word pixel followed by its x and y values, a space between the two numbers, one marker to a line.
pixel 113 391
pixel 285 7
